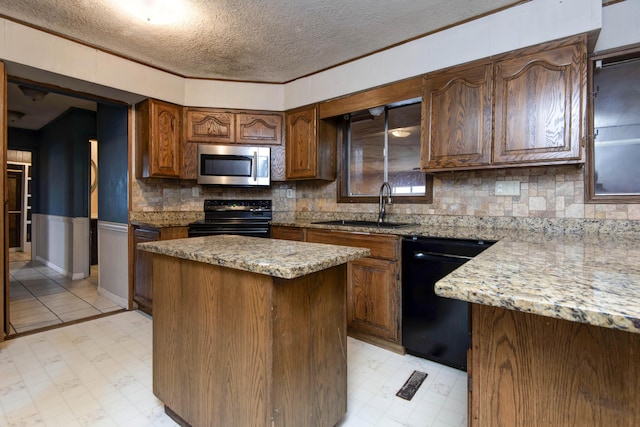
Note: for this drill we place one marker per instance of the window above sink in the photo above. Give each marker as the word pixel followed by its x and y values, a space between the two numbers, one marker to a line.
pixel 382 144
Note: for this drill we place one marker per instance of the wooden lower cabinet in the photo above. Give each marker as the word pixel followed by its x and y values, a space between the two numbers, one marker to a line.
pixel 530 370
pixel 372 303
pixel 237 348
pixel 142 292
pixel 373 286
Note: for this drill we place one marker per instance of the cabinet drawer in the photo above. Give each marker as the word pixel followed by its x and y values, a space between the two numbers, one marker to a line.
pixel 287 233
pixel 381 246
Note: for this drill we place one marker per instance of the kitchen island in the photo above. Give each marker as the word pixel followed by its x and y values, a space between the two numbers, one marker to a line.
pixel 555 330
pixel 250 332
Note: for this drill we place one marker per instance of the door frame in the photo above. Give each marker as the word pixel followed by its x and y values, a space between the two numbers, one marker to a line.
pixel 4 221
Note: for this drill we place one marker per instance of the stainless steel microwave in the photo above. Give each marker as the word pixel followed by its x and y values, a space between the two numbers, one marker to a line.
pixel 234 165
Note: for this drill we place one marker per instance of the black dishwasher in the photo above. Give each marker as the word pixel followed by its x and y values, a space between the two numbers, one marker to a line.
pixel 433 327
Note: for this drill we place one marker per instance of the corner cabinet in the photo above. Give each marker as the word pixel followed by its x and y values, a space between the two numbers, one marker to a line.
pixel 522 109
pixel 158 139
pixel 311 145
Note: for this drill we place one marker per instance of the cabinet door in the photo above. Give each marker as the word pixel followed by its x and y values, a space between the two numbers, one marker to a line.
pixel 165 143
pixel 301 152
pixel 457 118
pixel 538 106
pixel 258 128
pixel 372 297
pixel 143 279
pixel 210 125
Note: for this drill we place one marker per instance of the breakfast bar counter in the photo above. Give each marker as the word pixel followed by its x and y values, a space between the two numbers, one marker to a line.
pixel 555 326
pixel 250 331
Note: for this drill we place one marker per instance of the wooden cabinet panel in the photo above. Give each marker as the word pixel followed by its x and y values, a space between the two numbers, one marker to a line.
pixel 143 283
pixel 142 262
pixel 287 233
pixel 381 246
pixel 457 118
pixel 158 139
pixel 258 128
pixel 208 125
pixel 539 106
pixel 373 285
pixel 372 300
pixel 310 146
pixel 301 144
pixel 531 370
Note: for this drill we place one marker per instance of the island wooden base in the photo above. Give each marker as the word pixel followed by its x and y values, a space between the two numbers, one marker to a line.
pixel 235 348
pixel 529 370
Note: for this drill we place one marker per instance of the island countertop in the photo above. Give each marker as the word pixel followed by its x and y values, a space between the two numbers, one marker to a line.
pixel 278 258
pixel 592 279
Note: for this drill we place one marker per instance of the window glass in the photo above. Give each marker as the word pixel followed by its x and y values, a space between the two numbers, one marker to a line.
pixel 366 159
pixel 616 143
pixel 404 150
pixel 383 144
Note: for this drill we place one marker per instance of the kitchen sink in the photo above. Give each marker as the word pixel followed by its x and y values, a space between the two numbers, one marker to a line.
pixel 358 223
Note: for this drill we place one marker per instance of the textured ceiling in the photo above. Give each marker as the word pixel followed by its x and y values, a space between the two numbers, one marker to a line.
pixel 247 40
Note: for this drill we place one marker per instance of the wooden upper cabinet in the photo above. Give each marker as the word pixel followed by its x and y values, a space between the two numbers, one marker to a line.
pixel 521 109
pixel 301 144
pixel 233 126
pixel 158 139
pixel 311 145
pixel 457 118
pixel 538 106
pixel 259 128
pixel 207 125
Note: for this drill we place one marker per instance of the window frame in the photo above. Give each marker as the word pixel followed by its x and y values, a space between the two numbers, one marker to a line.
pixel 343 177
pixel 591 197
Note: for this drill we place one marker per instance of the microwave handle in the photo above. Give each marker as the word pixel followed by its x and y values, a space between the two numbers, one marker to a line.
pixel 254 171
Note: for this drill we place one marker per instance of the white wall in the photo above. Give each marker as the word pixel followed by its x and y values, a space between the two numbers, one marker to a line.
pixel 621 25
pixel 62 243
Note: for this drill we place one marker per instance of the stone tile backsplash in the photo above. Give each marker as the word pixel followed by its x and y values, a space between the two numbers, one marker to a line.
pixel 545 193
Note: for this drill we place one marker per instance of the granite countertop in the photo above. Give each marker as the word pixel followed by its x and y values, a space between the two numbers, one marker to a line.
pixel 581 277
pixel 278 258
pixel 588 279
pixel 165 219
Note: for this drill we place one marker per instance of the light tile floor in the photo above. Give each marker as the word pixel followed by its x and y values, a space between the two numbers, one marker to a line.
pixel 98 373
pixel 41 297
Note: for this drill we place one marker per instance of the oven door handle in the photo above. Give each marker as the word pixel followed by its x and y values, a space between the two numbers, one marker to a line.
pixel 254 169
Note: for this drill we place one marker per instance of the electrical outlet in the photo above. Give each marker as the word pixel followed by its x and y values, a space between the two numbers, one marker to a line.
pixel 195 191
pixel 507 188
pixel 289 193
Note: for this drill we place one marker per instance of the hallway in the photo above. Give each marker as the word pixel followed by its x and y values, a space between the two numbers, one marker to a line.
pixel 40 297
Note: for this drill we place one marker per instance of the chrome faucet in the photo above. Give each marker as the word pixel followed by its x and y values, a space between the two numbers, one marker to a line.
pixel 381 203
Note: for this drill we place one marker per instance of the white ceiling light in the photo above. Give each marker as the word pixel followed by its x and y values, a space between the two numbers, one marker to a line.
pixel 34 94
pixel 157 12
pixel 399 133
pixel 376 111
pixel 13 115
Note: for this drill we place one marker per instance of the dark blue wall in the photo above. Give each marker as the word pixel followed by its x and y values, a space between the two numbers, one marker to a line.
pixel 63 164
pixel 113 163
